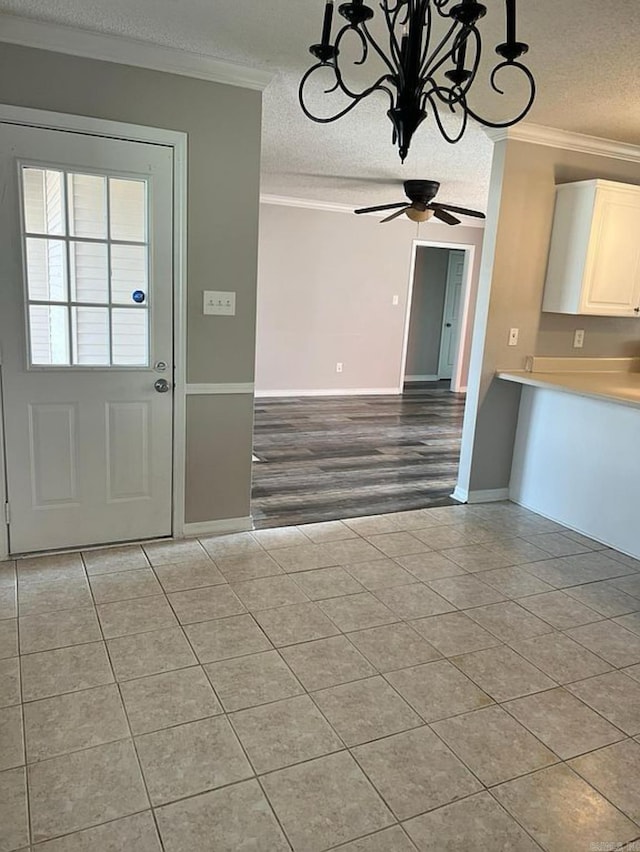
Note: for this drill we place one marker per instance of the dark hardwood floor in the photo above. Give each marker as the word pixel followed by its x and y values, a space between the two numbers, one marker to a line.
pixel 325 458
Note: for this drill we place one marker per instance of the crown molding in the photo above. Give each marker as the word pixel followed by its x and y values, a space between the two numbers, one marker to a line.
pixel 332 207
pixel 307 204
pixel 128 51
pixel 537 134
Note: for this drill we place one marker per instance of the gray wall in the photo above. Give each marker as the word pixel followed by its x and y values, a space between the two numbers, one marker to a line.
pixel 326 282
pixel 223 125
pixel 427 306
pixel 521 203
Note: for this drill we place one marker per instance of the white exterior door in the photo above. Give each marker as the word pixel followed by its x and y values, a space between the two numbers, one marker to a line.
pixel 451 315
pixel 86 287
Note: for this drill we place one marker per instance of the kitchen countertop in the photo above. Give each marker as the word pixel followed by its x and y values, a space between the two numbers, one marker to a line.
pixel 622 388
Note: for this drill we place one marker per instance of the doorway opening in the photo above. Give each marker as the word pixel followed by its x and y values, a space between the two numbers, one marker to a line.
pixel 437 338
pixel 324 457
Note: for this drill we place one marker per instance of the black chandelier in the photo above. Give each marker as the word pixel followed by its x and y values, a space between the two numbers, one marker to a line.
pixel 433 56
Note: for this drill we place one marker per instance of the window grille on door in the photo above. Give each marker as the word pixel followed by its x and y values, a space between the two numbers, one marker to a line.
pixel 86 255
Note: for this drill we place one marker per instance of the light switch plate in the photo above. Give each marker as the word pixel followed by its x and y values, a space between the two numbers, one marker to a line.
pixel 219 303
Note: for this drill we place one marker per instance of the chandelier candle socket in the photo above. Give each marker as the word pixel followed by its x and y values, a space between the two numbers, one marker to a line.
pixel 430 55
pixel 326 26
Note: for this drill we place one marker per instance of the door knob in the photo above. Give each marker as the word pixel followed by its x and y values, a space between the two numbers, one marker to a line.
pixel 448 325
pixel 162 385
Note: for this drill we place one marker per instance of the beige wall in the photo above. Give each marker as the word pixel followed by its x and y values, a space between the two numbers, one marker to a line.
pixel 326 282
pixel 427 306
pixel 521 203
pixel 223 126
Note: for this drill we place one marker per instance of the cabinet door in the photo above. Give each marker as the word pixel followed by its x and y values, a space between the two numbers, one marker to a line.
pixel 612 275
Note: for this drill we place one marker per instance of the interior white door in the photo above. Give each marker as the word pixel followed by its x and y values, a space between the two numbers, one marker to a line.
pixel 86 295
pixel 451 314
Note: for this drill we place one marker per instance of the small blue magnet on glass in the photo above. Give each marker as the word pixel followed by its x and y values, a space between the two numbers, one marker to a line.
pixel 138 296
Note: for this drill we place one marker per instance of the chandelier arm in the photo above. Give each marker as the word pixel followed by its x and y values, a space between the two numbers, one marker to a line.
pixel 427 41
pixel 391 20
pixel 462 87
pixel 377 86
pixel 363 41
pixel 436 114
pixel 407 17
pixel 521 115
pixel 374 44
pixel 384 5
pixel 356 97
pixel 446 95
pixel 432 57
pixel 427 72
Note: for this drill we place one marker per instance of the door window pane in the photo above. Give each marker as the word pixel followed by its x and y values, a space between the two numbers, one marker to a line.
pixel 49 334
pixel 90 328
pixel 89 273
pixel 81 284
pixel 87 206
pixel 128 272
pixel 43 201
pixel 128 208
pixel 129 337
pixel 46 270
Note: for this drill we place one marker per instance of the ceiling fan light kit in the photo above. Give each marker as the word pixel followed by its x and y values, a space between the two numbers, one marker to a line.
pixel 425 72
pixel 417 215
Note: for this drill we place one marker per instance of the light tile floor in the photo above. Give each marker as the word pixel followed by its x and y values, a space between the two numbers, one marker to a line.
pixel 442 680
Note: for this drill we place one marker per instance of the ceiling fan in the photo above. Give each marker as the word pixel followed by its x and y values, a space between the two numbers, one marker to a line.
pixel 422 206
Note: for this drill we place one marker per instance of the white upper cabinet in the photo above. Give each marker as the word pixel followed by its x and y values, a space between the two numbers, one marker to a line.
pixel 594 259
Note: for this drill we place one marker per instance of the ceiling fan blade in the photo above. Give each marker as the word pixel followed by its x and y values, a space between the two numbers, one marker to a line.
pixel 396 214
pixel 463 210
pixel 445 217
pixel 381 207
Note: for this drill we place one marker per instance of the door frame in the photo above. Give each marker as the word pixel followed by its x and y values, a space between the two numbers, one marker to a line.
pixel 469 250
pixel 178 142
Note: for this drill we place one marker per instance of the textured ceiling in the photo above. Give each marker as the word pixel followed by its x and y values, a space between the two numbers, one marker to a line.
pixel 584 55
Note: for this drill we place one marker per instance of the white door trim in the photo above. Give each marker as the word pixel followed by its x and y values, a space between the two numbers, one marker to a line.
pixel 4 529
pixel 178 141
pixel 469 249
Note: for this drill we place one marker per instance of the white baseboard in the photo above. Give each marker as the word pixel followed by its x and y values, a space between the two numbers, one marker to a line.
pixel 491 495
pixel 226 525
pixel 429 378
pixel 329 392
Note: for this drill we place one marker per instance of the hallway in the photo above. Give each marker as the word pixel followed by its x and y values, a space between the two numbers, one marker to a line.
pixel 323 458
